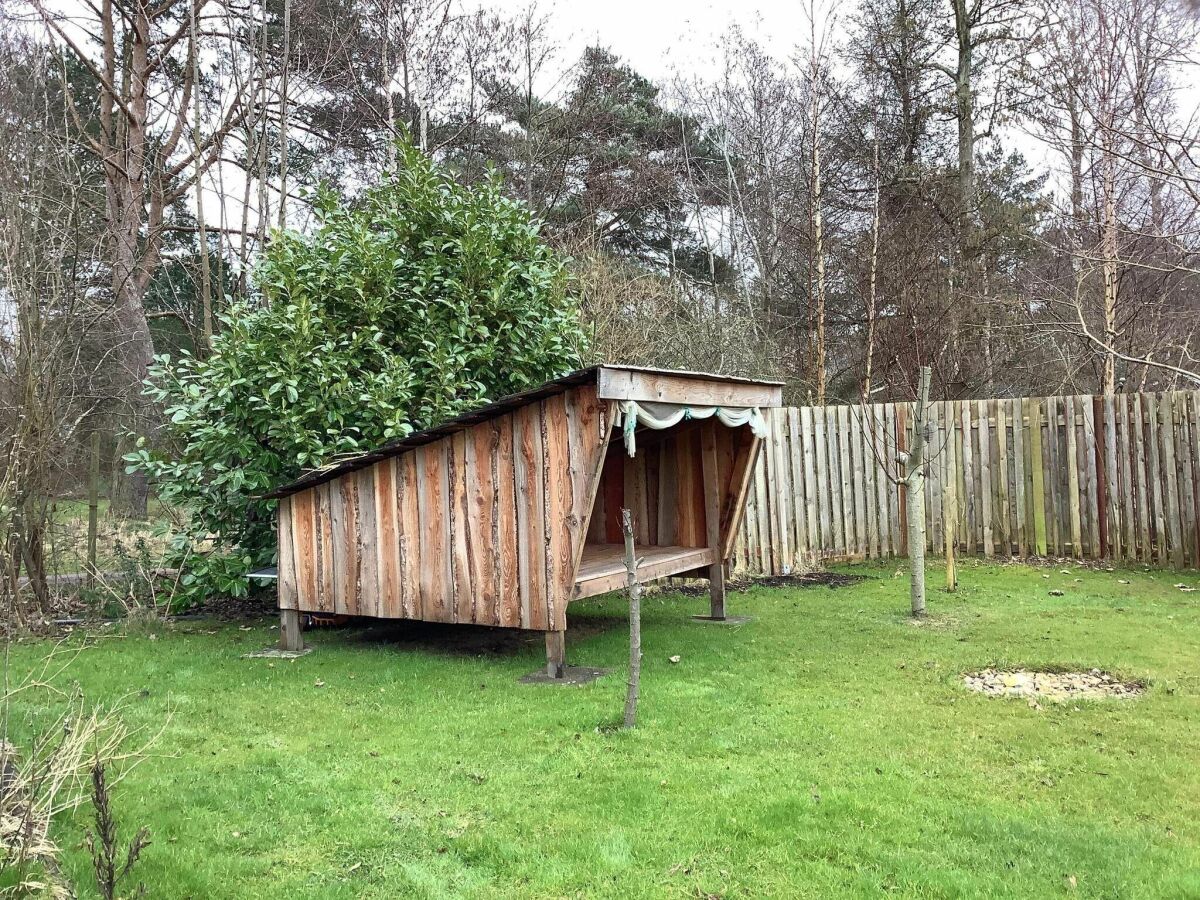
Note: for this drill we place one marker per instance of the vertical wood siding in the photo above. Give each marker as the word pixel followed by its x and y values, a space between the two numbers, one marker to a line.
pixel 483 526
pixel 1114 478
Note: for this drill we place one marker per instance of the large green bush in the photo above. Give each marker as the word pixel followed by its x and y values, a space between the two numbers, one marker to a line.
pixel 420 300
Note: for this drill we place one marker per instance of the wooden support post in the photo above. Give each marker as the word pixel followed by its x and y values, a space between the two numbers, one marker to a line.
pixel 716 591
pixel 712 519
pixel 93 508
pixel 290 637
pixel 556 653
pixel 739 489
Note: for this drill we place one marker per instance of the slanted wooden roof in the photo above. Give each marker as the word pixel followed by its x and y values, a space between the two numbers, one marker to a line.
pixel 616 383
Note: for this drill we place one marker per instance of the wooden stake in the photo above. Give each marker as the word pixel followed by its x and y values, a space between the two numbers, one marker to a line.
pixel 93 508
pixel 712 517
pixel 950 506
pixel 635 621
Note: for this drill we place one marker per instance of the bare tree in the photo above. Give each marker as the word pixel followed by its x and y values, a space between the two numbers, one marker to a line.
pixel 916 463
pixel 198 175
pixel 142 64
pixel 284 143
pixel 1108 86
pixel 906 467
pixel 756 202
pixel 818 75
pixel 53 344
pixel 873 279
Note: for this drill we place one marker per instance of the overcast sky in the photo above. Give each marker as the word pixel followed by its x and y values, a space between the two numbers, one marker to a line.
pixel 660 37
pixel 665 38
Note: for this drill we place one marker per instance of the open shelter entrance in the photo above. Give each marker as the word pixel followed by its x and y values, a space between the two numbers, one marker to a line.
pixel 684 485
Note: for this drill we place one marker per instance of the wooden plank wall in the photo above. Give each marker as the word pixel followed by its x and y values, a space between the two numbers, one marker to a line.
pixel 663 485
pixel 483 526
pixel 1114 478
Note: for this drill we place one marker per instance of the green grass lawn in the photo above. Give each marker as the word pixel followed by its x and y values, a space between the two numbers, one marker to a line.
pixel 827 748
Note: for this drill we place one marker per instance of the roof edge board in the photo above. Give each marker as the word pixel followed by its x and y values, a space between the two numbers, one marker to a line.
pixel 657 386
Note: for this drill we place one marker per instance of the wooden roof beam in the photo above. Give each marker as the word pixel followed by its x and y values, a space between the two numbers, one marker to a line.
pixel 661 387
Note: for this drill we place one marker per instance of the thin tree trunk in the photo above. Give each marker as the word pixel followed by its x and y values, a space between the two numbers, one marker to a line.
pixel 283 113
pixel 635 622
pixel 251 153
pixel 873 282
pixel 30 537
pixel 914 480
pixel 264 210
pixel 818 240
pixel 201 233
pixel 1076 163
pixel 530 134
pixel 964 105
pixel 950 507
pixel 1110 271
pixel 251 134
pixel 385 79
pixel 989 361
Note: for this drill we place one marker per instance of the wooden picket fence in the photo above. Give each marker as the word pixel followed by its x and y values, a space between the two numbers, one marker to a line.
pixel 1090 477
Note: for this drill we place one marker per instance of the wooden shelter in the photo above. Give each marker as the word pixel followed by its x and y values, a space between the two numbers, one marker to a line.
pixel 504 515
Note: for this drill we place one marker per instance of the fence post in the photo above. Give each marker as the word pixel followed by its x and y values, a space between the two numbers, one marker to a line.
pixel 93 508
pixel 1039 484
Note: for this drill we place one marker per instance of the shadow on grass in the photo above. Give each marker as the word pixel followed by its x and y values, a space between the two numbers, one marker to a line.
pixel 470 640
pixel 585 622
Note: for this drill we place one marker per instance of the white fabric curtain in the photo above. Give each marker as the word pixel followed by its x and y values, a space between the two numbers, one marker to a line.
pixel 665 415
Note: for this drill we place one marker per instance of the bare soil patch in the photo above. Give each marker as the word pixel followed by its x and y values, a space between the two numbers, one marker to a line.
pixel 1061 686
pixel 933 620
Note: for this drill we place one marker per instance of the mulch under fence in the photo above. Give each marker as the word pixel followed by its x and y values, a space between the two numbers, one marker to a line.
pixel 817 578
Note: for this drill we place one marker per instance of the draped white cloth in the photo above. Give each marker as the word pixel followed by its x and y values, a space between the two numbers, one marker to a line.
pixel 665 415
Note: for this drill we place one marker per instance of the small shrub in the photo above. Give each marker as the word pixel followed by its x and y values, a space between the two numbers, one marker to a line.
pixel 136 588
